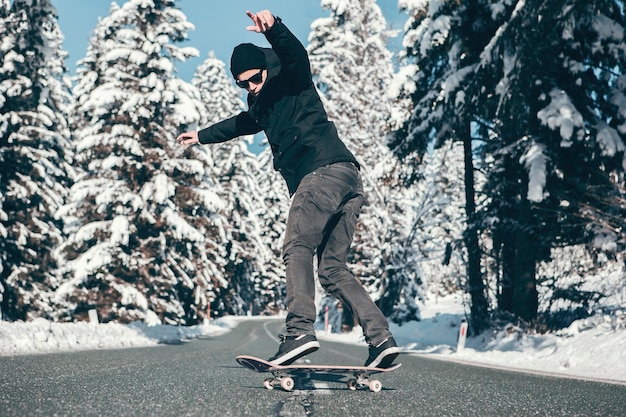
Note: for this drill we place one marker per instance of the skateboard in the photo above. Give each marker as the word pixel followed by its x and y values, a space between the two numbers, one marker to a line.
pixel 283 375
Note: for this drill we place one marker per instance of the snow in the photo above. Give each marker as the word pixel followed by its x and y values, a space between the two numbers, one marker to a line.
pixel 593 348
pixel 609 140
pixel 120 230
pixel 607 29
pixel 561 115
pixel 535 161
pixel 42 336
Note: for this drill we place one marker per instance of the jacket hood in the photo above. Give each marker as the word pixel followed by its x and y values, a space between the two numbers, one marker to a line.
pixel 273 68
pixel 272 61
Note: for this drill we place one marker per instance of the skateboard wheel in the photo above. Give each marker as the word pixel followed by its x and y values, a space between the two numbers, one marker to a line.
pixel 287 383
pixel 269 383
pixel 375 385
pixel 352 385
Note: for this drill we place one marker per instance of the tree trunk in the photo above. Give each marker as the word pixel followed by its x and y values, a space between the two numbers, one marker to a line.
pixel 505 300
pixel 525 296
pixel 479 303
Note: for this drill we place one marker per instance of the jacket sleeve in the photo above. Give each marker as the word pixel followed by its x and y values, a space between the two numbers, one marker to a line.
pixel 294 60
pixel 239 125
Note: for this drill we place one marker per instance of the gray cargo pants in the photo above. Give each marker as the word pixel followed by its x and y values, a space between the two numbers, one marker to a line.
pixel 322 220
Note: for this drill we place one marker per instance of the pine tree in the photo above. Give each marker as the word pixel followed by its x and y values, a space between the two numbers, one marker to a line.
pixel 4 12
pixel 559 157
pixel 538 84
pixel 437 234
pixel 238 172
pixel 35 155
pixel 273 214
pixel 146 234
pixel 353 70
pixel 443 46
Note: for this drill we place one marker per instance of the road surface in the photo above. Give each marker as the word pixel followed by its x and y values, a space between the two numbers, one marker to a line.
pixel 201 378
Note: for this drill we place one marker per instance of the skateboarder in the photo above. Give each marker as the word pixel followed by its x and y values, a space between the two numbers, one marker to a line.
pixel 322 176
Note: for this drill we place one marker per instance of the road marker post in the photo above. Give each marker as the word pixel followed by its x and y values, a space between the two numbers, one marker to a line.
pixel 326 320
pixel 93 316
pixel 462 337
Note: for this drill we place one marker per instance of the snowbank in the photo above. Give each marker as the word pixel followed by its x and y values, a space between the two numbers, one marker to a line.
pixel 43 336
pixel 593 348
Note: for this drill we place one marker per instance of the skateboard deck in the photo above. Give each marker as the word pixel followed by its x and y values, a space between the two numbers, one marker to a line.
pixel 283 375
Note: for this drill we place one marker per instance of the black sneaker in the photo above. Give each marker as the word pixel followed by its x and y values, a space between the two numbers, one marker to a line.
pixel 294 347
pixel 383 355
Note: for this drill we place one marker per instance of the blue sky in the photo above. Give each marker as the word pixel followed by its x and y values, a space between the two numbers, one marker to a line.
pixel 220 25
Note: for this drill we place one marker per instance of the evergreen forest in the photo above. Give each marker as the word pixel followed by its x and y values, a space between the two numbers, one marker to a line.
pixel 492 145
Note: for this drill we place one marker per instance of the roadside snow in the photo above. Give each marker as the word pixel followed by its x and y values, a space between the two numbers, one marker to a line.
pixel 43 336
pixel 592 348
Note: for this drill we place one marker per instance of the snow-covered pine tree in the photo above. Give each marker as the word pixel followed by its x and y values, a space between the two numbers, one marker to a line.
pixel 538 82
pixel 237 170
pixel 558 118
pixel 273 215
pixel 437 234
pixel 4 12
pixel 35 171
pixel 146 236
pixel 353 70
pixel 419 83
pixel 442 49
pixel 223 100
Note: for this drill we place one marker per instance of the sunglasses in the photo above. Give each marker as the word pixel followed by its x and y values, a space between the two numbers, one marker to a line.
pixel 255 79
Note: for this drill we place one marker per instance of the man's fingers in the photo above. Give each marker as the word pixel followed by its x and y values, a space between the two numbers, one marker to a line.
pixel 256 27
pixel 187 138
pixel 262 21
pixel 266 18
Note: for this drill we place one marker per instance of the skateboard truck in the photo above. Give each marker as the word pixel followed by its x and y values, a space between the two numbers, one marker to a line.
pixel 361 381
pixel 287 383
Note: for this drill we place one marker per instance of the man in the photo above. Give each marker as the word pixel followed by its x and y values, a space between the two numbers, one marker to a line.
pixel 322 176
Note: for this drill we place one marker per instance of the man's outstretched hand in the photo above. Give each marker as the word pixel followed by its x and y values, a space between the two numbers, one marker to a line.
pixel 263 21
pixel 188 138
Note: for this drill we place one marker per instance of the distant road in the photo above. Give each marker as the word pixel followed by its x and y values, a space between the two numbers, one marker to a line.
pixel 201 378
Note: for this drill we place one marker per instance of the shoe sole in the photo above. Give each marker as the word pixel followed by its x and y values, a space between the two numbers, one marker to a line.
pixel 296 354
pixel 385 358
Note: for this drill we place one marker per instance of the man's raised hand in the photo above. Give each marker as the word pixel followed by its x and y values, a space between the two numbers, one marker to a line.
pixel 263 21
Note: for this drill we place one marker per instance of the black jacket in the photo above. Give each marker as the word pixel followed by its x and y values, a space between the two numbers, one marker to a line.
pixel 290 112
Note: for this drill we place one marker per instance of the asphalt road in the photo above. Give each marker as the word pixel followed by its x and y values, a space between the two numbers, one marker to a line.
pixel 201 378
